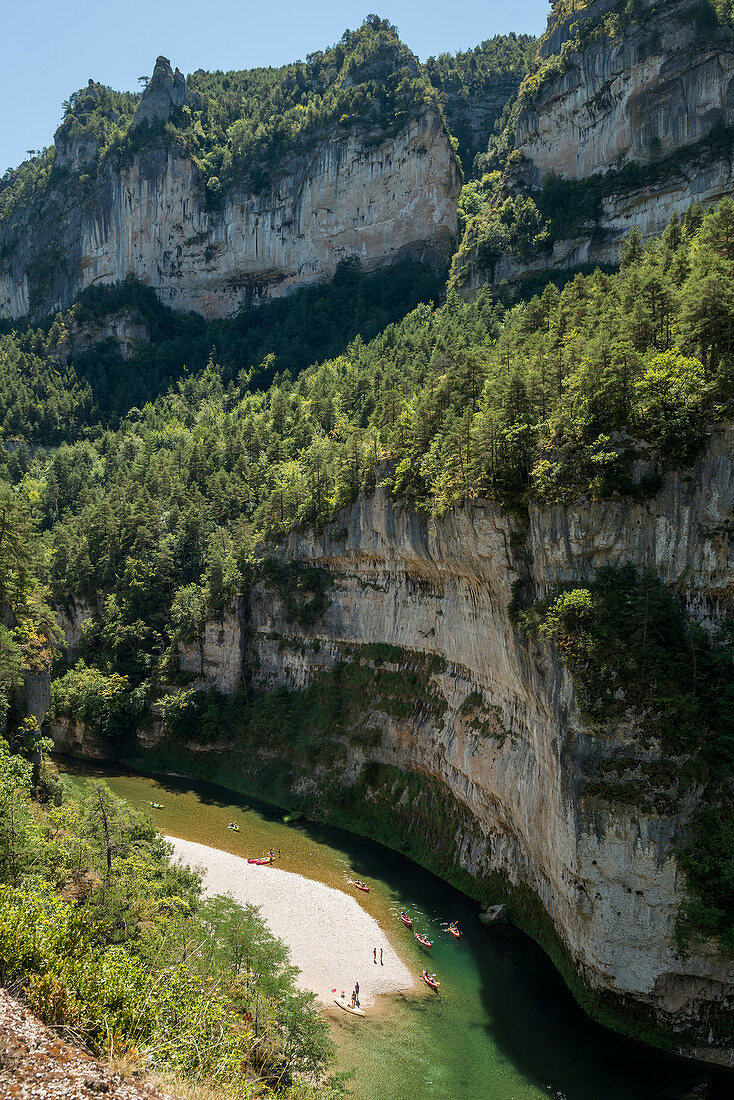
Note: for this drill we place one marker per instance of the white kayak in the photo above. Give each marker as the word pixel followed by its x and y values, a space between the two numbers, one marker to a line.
pixel 346 1005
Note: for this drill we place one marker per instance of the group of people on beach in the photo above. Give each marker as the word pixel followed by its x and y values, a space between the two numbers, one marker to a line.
pixel 355 991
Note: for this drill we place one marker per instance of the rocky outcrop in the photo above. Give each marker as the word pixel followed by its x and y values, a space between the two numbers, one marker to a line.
pixel 215 660
pixel 164 93
pixel 372 196
pixel 632 89
pixel 638 104
pixel 496 723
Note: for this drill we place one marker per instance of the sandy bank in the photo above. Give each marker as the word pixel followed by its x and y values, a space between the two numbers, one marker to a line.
pixel 331 938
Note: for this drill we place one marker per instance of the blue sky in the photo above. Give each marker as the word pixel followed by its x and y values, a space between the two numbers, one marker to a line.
pixel 53 48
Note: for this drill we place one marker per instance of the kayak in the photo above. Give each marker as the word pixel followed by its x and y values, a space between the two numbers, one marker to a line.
pixel 346 1005
pixel 362 886
pixel 260 862
pixel 423 940
pixel 155 805
pixel 454 931
pixel 233 828
pixel 406 920
pixel 430 980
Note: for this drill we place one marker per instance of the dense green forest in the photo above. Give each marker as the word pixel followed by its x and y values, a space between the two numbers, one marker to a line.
pixel 55 393
pixel 161 520
pixel 474 87
pixel 107 937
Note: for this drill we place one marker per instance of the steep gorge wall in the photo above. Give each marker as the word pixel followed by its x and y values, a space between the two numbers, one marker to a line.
pixel 649 85
pixel 376 197
pixel 493 726
pixel 638 104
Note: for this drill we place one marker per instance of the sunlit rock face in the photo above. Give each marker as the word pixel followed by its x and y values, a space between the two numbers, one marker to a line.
pixel 353 195
pixel 653 92
pixel 499 728
pixel 645 88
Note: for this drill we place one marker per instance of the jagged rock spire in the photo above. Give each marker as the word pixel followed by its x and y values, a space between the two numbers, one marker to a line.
pixel 165 92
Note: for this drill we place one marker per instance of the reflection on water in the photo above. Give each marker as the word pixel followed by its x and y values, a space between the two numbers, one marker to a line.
pixel 503 1025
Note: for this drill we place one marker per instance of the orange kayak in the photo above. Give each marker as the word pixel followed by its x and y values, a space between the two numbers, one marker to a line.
pixel 430 980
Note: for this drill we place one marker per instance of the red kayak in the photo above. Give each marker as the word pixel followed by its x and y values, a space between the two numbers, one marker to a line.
pixel 454 931
pixel 423 940
pixel 430 980
pixel 260 862
pixel 362 886
pixel 406 920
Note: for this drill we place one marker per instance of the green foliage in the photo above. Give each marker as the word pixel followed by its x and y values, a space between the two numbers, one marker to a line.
pixel 163 521
pixel 239 127
pixel 45 402
pixel 636 657
pixel 42 401
pixel 479 82
pixel 29 629
pixel 87 695
pixel 107 937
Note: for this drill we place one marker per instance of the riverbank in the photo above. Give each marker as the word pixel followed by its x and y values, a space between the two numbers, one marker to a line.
pixel 331 938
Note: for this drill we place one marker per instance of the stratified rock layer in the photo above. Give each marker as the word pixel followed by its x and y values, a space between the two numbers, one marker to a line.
pixel 501 733
pixel 651 92
pixel 371 196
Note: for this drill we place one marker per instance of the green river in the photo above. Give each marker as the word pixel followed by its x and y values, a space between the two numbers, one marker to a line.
pixel 503 1027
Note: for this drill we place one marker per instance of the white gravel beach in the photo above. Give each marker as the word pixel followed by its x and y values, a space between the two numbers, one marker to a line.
pixel 331 938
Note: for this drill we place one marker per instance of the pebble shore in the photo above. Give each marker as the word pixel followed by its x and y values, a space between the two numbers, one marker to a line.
pixel 330 936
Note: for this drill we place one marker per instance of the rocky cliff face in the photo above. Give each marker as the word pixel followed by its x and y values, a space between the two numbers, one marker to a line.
pixel 495 726
pixel 375 197
pixel 633 89
pixel 638 104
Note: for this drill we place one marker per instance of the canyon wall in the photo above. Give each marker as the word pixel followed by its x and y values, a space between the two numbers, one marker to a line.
pixel 493 725
pixel 638 105
pixel 634 89
pixel 354 194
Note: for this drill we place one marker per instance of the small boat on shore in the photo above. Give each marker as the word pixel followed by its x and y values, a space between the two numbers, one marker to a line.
pixel 155 805
pixel 454 931
pixel 233 827
pixel 430 980
pixel 261 862
pixel 347 1006
pixel 423 940
pixel 407 921
pixel 362 886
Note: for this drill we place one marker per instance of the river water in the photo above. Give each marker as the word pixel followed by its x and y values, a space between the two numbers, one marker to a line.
pixel 503 1026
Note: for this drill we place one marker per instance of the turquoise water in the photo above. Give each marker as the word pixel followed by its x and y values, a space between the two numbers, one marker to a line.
pixel 503 1025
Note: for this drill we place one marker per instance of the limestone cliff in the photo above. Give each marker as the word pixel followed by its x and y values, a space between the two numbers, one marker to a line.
pixel 494 725
pixel 373 195
pixel 636 100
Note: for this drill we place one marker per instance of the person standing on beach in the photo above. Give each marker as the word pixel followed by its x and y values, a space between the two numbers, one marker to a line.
pixel 356 994
pixel 374 956
pixel 381 962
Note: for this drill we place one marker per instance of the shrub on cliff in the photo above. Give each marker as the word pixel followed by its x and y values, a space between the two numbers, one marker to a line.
pixel 636 657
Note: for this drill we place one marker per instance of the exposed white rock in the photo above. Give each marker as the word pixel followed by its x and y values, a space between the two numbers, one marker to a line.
pixel 510 746
pixel 378 202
